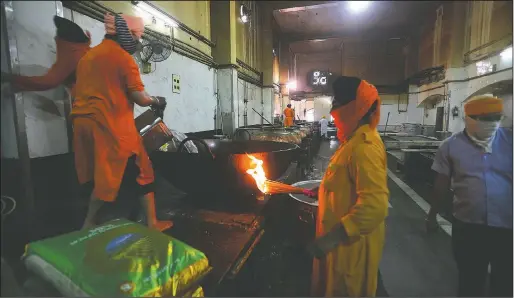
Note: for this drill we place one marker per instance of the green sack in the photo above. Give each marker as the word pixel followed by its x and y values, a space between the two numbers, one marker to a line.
pixel 118 258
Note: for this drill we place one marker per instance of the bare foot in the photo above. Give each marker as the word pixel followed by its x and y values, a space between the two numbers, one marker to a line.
pixel 161 225
pixel 87 226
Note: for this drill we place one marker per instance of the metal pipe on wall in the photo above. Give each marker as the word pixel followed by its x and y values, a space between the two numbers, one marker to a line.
pixel 27 191
pixel 96 11
pixel 184 27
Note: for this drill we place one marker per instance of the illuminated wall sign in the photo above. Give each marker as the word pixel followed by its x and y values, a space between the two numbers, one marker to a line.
pixel 319 78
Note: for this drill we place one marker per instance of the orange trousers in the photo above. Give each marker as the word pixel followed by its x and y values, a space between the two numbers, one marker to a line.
pixel 288 121
pixel 99 160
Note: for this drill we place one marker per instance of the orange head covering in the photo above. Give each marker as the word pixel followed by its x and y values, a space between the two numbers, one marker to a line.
pixel 72 44
pixel 135 25
pixel 481 105
pixel 127 29
pixel 353 98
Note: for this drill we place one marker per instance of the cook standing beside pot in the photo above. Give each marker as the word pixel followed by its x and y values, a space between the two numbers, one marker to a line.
pixel 353 197
pixel 288 116
pixel 105 135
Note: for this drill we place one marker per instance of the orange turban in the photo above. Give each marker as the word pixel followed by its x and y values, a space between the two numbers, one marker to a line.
pixel 135 24
pixel 353 98
pixel 484 104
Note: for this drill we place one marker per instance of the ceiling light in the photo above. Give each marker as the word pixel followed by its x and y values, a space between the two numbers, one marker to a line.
pixel 244 13
pixel 291 85
pixel 153 12
pixel 507 53
pixel 358 6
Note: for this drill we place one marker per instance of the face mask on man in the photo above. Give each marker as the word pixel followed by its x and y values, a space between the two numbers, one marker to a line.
pixel 481 130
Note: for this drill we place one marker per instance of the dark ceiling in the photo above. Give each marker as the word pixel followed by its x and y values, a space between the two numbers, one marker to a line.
pixel 315 26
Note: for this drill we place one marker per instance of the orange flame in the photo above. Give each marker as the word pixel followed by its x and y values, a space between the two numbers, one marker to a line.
pixel 258 174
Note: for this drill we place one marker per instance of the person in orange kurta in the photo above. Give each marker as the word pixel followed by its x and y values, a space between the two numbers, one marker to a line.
pixel 105 134
pixel 288 116
pixel 72 44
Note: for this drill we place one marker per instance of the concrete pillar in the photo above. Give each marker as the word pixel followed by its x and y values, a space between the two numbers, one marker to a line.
pixel 284 57
pixel 268 104
pixel 458 30
pixel 267 48
pixel 227 98
pixel 267 65
pixel 223 32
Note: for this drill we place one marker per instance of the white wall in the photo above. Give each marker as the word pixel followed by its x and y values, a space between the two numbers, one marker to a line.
pixel 507 110
pixel 461 91
pixel 8 133
pixel 268 103
pixel 44 111
pixel 192 109
pixel 322 107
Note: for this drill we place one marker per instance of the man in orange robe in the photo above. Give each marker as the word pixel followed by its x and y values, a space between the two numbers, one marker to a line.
pixel 288 116
pixel 72 44
pixel 105 134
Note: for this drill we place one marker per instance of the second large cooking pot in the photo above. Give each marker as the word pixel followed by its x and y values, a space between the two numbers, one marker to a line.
pixel 221 169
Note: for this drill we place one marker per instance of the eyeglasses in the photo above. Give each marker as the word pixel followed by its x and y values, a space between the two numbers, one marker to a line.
pixel 487 118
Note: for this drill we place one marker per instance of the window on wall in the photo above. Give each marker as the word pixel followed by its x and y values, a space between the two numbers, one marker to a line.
pixel 484 67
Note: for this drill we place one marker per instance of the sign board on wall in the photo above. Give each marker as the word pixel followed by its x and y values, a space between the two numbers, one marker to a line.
pixel 318 79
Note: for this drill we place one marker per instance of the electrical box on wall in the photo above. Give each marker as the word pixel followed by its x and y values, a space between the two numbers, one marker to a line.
pixel 176 83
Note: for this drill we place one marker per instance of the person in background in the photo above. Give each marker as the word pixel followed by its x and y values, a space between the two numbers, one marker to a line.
pixel 72 44
pixel 352 198
pixel 477 164
pixel 105 134
pixel 323 124
pixel 288 116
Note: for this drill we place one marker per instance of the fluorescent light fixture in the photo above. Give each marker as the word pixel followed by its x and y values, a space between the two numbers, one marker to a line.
pixel 244 13
pixel 507 53
pixel 291 85
pixel 151 12
pixel 358 6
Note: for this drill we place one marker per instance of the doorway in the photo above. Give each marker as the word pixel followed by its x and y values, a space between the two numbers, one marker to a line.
pixel 439 119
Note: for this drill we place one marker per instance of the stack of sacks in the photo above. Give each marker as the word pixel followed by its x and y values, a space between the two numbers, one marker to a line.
pixel 119 258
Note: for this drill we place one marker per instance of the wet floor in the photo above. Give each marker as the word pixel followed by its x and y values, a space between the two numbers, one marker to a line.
pixel 414 264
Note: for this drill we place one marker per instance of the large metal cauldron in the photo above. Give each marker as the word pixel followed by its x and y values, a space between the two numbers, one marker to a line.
pixel 270 133
pixel 222 168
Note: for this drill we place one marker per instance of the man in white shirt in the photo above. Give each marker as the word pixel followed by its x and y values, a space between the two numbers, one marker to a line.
pixel 323 124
